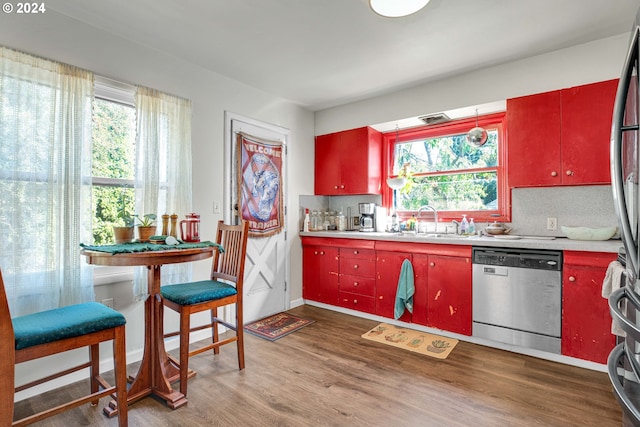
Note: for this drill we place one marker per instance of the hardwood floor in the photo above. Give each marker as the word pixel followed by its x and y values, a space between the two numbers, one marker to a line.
pixel 326 375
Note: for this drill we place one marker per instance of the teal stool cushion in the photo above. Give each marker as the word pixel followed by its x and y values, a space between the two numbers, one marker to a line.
pixel 197 292
pixel 65 322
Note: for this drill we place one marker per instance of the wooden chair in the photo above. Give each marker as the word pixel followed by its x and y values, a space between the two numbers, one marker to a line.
pixel 224 288
pixel 55 331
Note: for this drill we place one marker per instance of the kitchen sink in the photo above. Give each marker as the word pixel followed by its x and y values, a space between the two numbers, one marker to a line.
pixel 433 235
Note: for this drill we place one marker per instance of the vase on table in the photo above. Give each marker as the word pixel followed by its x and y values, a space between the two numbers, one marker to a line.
pixel 145 232
pixel 122 234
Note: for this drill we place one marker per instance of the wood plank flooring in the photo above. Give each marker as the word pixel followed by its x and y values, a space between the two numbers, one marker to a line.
pixel 326 375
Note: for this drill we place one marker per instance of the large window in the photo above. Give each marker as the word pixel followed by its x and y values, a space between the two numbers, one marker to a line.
pixel 448 173
pixel 114 129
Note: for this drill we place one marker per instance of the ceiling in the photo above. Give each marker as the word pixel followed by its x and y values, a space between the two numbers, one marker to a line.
pixel 324 53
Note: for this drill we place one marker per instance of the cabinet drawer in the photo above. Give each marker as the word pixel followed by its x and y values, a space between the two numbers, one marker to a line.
pixel 356 253
pixel 357 302
pixel 358 267
pixel 358 285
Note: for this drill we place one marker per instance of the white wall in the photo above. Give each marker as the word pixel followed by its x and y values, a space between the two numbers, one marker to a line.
pixel 58 37
pixel 587 63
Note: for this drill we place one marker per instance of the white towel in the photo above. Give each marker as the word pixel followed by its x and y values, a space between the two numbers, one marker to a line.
pixel 612 282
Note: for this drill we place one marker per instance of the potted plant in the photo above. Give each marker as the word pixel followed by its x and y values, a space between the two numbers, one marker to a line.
pixel 123 229
pixel 146 227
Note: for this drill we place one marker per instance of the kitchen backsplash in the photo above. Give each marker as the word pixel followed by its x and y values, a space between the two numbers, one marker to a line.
pixel 590 205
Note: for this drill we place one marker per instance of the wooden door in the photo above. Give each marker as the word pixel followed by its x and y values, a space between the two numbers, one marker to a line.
pixel 265 284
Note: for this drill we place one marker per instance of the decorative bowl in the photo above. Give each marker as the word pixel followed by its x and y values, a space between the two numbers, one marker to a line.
pixel 589 233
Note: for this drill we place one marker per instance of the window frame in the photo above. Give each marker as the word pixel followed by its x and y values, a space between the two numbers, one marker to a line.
pixel 119 93
pixel 490 121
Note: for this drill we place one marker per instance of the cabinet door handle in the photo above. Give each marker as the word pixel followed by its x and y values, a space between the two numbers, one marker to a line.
pixel 432 264
pixel 569 173
pixel 355 267
pixel 355 301
pixel 554 173
pixel 380 297
pixel 355 284
pixel 356 252
pixel 321 252
pixel 335 187
pixel 572 279
pixel 342 186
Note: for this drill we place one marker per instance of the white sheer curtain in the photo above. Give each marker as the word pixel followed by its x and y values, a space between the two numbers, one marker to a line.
pixel 163 167
pixel 45 186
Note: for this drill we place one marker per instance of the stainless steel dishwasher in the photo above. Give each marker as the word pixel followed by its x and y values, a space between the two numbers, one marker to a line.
pixel 517 297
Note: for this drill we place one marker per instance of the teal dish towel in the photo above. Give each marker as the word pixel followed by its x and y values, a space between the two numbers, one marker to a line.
pixel 405 291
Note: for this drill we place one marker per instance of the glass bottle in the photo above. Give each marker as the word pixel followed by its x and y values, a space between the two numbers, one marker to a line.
pixel 464 225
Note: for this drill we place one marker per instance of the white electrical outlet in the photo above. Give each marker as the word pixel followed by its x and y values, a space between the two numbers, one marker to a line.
pixel 216 206
pixel 108 302
pixel 552 223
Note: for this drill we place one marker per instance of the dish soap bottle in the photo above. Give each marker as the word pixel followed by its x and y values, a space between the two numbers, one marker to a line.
pixel 472 227
pixel 464 225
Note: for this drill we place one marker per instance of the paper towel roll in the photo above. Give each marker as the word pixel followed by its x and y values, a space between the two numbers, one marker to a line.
pixel 381 218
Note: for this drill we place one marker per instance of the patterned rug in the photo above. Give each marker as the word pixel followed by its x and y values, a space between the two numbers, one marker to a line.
pixel 409 339
pixel 277 326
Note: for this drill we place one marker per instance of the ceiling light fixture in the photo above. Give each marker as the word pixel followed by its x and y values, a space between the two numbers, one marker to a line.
pixel 396 8
pixel 477 136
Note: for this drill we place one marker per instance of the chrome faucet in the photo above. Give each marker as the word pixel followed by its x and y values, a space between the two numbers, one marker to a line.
pixel 427 208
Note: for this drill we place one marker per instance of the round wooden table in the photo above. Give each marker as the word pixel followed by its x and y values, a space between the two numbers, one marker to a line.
pixel 156 370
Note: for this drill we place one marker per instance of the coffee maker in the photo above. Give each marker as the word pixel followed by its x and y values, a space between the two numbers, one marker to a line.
pixel 367 222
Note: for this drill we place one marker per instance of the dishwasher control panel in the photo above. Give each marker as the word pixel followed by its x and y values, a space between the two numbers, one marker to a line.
pixel 522 258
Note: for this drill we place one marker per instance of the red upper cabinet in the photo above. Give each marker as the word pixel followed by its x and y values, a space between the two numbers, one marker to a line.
pixel 587 112
pixel 561 137
pixel 348 162
pixel 533 139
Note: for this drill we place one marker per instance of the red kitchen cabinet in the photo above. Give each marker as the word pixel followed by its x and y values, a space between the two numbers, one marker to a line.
pixel 586 131
pixel 348 162
pixel 388 266
pixel 449 293
pixel 560 137
pixel 533 139
pixel 320 273
pixel 357 279
pixel 586 322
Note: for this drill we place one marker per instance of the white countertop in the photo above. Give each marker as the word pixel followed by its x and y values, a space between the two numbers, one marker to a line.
pixel 527 242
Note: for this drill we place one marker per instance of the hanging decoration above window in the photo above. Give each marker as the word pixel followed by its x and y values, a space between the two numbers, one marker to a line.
pixel 260 185
pixel 477 136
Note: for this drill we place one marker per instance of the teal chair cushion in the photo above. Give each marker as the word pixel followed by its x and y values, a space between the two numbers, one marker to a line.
pixel 197 292
pixel 65 322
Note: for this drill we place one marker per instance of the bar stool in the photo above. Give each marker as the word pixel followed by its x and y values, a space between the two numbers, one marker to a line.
pixel 55 331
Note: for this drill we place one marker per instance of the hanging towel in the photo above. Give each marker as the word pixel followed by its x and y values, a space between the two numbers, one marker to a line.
pixel 612 282
pixel 405 291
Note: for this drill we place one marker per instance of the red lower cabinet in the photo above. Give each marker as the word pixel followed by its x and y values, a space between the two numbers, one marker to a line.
pixel 320 274
pixel 586 322
pixel 388 267
pixel 357 281
pixel 449 293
